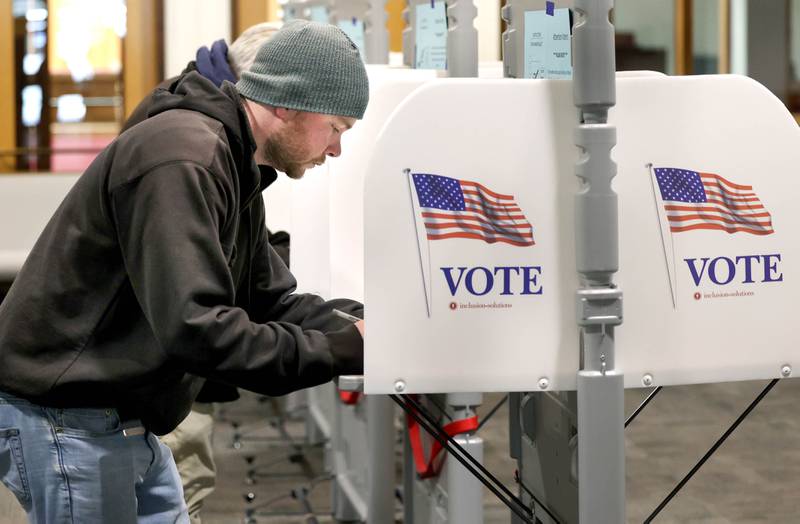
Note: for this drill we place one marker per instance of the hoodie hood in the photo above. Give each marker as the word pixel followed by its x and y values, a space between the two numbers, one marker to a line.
pixel 195 92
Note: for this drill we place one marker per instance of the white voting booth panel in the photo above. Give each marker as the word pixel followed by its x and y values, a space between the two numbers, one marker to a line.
pixel 26 204
pixel 701 305
pixel 278 204
pixel 310 233
pixel 310 240
pixel 278 216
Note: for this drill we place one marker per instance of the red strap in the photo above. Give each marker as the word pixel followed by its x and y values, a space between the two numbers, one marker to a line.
pixel 431 467
pixel 350 397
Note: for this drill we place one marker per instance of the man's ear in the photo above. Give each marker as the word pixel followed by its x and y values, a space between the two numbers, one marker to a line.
pixel 285 114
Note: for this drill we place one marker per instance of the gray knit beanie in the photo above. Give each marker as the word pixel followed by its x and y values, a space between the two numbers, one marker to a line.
pixel 308 66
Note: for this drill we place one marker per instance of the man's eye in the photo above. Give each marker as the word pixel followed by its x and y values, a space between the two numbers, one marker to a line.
pixel 335 129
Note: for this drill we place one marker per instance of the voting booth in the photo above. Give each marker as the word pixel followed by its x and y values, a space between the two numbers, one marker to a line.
pixel 469 248
pixel 487 303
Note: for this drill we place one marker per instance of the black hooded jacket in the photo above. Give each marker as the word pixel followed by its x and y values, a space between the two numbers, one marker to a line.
pixel 215 71
pixel 156 270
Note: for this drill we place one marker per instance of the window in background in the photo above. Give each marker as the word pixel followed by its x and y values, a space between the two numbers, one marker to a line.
pixel 645 35
pixel 793 95
pixel 761 43
pixel 705 37
pixel 32 87
pixel 85 69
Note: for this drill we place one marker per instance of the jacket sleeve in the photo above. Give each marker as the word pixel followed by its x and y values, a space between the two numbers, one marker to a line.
pixel 273 296
pixel 169 223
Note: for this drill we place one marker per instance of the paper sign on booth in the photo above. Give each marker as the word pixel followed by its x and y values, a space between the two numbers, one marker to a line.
pixel 431 36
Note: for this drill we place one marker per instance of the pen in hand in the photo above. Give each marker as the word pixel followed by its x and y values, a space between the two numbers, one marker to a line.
pixel 355 320
pixel 346 316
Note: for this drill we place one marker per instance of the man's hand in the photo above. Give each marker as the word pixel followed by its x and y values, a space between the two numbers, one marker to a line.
pixel 360 326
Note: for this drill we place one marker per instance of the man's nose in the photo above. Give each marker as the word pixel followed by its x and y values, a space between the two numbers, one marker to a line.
pixel 335 149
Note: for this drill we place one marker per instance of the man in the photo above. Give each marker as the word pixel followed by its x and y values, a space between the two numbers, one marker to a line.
pixel 190 443
pixel 156 271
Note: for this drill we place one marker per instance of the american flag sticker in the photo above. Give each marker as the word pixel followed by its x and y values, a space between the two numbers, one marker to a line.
pixel 689 200
pixel 453 208
pixel 450 208
pixel 695 200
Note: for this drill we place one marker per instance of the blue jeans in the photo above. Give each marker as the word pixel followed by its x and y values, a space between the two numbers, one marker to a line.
pixel 82 465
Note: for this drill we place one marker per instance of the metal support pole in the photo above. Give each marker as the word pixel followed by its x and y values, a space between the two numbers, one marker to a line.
pixel 409 476
pixel 464 491
pixel 376 36
pixel 601 451
pixel 462 39
pixel 380 435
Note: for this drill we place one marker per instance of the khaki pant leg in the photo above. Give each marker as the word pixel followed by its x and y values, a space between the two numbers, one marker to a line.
pixel 10 510
pixel 190 443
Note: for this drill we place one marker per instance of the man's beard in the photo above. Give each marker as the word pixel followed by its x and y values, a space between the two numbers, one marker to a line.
pixel 284 152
